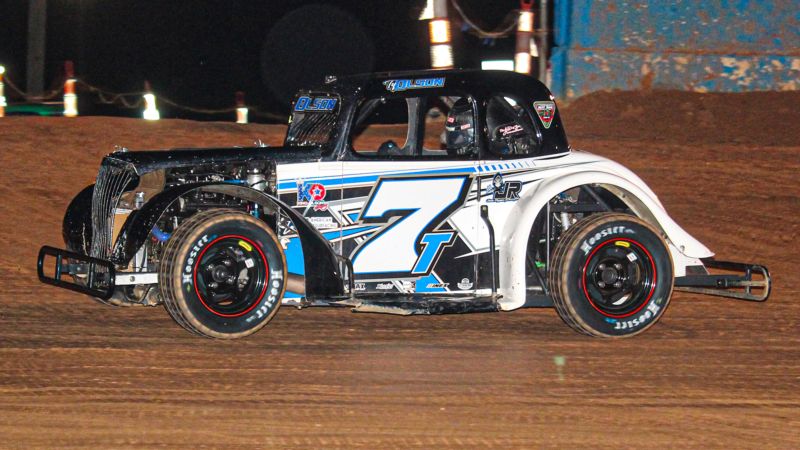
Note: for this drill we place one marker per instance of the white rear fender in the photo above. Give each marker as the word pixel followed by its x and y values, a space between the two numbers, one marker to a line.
pixel 513 239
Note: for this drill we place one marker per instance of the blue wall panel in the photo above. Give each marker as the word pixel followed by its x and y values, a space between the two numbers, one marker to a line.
pixel 699 45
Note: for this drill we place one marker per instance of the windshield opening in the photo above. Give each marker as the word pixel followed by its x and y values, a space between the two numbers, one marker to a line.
pixel 313 119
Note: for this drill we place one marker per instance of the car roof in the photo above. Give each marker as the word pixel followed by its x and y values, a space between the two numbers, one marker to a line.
pixel 472 80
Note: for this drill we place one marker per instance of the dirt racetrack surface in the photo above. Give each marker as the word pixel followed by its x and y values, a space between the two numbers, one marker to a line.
pixel 713 373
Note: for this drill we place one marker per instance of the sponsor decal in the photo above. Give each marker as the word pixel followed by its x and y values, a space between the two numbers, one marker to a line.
pixel 384 286
pixel 546 112
pixel 322 222
pixel 315 104
pixel 461 127
pixel 464 284
pixel 504 191
pixel 587 244
pixel 508 130
pixel 419 83
pixel 359 286
pixel 438 285
pixel 311 194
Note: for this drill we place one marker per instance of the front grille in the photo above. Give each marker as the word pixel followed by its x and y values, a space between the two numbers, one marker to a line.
pixel 112 180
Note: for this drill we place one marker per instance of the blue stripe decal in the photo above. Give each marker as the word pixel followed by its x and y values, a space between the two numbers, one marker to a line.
pixel 369 178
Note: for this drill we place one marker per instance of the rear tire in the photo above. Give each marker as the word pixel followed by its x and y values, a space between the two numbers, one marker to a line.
pixel 222 274
pixel 611 276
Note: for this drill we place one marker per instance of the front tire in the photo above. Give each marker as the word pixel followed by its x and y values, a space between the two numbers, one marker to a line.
pixel 222 274
pixel 611 276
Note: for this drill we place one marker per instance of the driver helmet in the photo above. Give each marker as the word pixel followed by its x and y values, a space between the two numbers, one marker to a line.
pixel 460 128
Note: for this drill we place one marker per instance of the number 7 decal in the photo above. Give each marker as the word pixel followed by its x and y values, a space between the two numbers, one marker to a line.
pixel 411 210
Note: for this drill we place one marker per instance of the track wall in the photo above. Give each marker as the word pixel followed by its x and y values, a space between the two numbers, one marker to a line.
pixel 694 45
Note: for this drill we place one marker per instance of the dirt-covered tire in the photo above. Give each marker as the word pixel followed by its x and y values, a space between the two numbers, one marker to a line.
pixel 222 274
pixel 611 275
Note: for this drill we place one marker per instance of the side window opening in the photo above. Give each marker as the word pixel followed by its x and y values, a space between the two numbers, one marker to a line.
pixel 511 130
pixel 382 128
pixel 417 126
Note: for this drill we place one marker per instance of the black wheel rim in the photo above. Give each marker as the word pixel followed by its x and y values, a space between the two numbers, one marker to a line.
pixel 619 278
pixel 230 275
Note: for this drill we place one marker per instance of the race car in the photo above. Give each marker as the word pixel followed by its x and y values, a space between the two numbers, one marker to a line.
pixel 425 192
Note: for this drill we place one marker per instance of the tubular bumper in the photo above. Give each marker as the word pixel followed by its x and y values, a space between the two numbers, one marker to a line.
pixel 741 285
pixel 98 274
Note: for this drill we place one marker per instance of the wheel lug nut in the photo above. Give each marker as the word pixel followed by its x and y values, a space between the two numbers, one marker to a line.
pixel 227 262
pixel 601 266
pixel 618 266
pixel 601 284
pixel 618 284
pixel 213 285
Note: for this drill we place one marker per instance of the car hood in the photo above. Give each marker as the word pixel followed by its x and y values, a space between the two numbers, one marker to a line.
pixel 149 160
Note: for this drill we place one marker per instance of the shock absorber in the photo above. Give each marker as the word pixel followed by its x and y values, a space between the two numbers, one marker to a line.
pixel 258 181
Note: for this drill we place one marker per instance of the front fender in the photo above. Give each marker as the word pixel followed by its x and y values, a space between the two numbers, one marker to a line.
pixel 631 190
pixel 323 277
pixel 76 228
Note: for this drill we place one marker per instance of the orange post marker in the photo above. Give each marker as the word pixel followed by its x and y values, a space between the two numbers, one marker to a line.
pixel 70 98
pixel 2 95
pixel 522 58
pixel 241 108
pixel 150 109
pixel 439 29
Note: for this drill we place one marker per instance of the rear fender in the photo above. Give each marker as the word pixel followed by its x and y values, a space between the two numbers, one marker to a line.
pixel 514 238
pixel 323 277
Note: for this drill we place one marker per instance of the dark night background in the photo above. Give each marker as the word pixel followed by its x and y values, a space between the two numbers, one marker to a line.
pixel 199 53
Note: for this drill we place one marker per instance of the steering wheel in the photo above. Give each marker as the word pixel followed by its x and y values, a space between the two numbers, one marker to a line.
pixel 389 148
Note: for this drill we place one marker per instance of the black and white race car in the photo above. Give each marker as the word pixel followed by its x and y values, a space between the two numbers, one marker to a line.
pixel 424 192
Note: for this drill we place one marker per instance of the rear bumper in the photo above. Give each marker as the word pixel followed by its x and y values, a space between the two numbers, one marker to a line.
pixel 76 272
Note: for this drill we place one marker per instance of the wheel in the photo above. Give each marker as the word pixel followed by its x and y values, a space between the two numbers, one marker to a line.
pixel 222 274
pixel 611 276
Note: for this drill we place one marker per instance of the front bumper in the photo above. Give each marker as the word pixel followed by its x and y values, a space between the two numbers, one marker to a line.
pixel 76 272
